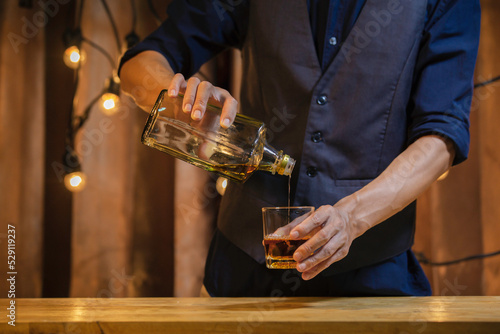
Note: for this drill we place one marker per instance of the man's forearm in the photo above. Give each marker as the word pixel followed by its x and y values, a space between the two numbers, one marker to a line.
pixel 412 172
pixel 144 76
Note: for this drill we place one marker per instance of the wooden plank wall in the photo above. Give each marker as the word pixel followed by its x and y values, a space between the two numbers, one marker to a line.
pixel 460 215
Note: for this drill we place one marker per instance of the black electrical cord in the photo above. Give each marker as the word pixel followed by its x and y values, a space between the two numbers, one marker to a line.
pixel 132 38
pixel 75 123
pixel 113 25
pixel 154 12
pixel 70 158
pixel 101 50
pixel 78 21
pixel 134 15
pixel 26 4
pixel 70 131
pixel 424 260
pixel 487 82
pixel 86 113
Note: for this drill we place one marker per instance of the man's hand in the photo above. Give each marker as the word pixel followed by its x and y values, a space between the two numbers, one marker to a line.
pixel 329 244
pixel 197 94
pixel 146 74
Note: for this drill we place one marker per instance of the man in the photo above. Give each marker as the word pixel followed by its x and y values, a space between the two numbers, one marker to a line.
pixel 370 97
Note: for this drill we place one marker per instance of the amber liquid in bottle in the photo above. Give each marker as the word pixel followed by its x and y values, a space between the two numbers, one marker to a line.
pixel 235 171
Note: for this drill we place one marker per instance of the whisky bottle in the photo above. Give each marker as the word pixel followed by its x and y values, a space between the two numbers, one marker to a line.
pixel 235 152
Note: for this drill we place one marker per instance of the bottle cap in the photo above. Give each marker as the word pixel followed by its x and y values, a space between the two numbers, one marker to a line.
pixel 285 165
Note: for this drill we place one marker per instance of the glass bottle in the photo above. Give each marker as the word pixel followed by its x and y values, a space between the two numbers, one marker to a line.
pixel 235 152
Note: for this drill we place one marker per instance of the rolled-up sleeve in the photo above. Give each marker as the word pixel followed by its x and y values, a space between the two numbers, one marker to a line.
pixel 444 75
pixel 194 32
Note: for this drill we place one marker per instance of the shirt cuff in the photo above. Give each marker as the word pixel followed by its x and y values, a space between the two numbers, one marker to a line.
pixel 451 128
pixel 146 45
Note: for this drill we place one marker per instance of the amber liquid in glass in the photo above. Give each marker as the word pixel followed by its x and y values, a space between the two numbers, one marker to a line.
pixel 279 251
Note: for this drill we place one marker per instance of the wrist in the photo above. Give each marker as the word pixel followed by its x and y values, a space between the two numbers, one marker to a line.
pixel 350 208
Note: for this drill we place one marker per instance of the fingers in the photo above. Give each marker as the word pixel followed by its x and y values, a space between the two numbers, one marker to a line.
pixel 315 267
pixel 207 149
pixel 317 241
pixel 285 230
pixel 198 94
pixel 204 92
pixel 331 251
pixel 176 85
pixel 330 241
pixel 229 110
pixel 190 94
pixel 317 219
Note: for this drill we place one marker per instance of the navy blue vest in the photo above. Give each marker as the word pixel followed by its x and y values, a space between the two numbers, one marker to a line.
pixel 344 126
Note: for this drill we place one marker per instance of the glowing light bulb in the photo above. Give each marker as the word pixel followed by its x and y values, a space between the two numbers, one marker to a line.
pixel 109 103
pixel 75 181
pixel 73 57
pixel 221 185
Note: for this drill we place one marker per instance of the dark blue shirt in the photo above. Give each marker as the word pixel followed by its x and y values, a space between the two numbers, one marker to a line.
pixel 331 22
pixel 196 31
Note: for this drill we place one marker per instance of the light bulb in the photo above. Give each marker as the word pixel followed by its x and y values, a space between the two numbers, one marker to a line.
pixel 73 57
pixel 75 181
pixel 221 185
pixel 109 103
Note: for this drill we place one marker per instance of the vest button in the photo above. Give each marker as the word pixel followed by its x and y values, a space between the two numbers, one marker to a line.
pixel 317 137
pixel 321 100
pixel 311 171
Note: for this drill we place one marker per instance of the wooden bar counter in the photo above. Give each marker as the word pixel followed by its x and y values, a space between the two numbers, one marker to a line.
pixel 400 315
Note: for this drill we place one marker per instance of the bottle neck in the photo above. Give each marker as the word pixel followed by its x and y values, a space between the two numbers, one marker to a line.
pixel 276 162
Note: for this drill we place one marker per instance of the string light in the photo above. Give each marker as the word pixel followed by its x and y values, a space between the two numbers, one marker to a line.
pixel 74 180
pixel 111 98
pixel 221 185
pixel 73 55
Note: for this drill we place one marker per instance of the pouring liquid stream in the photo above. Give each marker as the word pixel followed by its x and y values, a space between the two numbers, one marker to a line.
pixel 289 180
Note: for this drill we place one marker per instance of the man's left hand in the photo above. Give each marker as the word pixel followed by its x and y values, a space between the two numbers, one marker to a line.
pixel 329 244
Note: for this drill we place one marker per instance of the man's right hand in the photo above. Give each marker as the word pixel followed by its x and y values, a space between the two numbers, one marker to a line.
pixel 146 74
pixel 197 94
